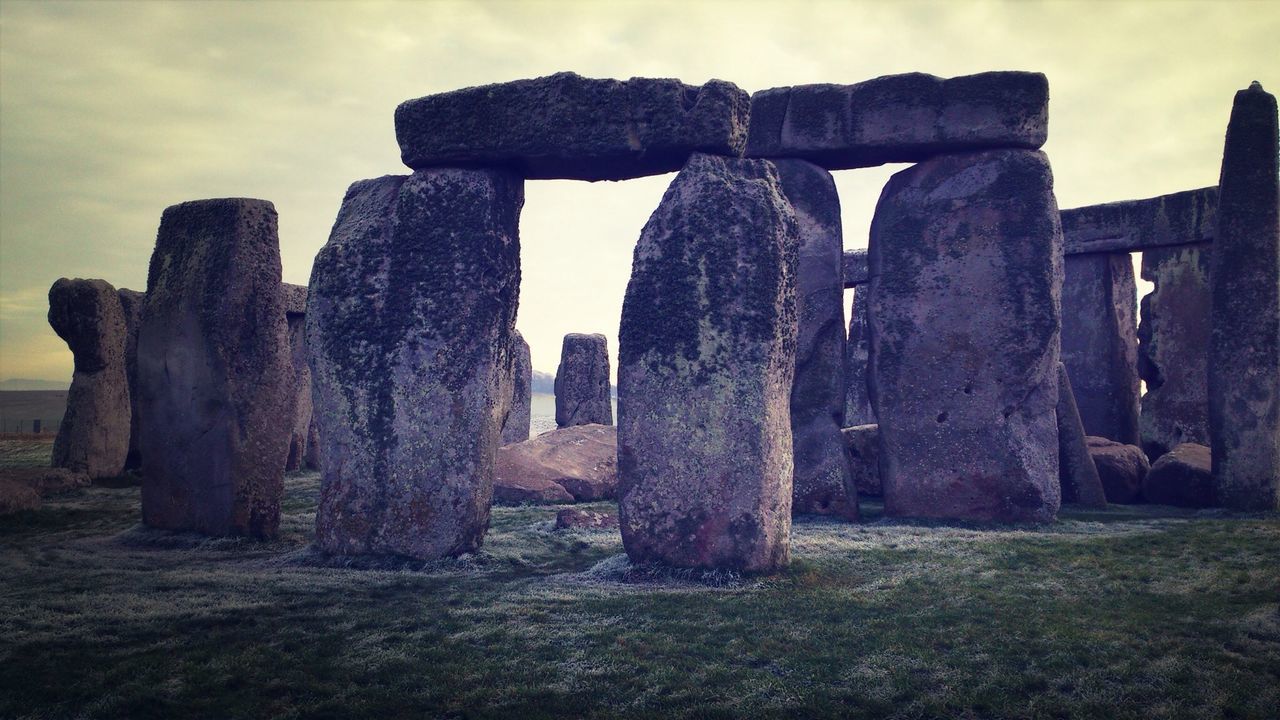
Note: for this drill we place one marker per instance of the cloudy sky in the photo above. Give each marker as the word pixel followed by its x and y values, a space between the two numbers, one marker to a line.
pixel 109 112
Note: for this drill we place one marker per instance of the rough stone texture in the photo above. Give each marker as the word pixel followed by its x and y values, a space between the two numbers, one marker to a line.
pixel 521 490
pixel 1180 218
pixel 574 518
pixel 818 393
pixel 966 268
pixel 857 399
pixel 582 382
pixel 854 268
pixel 582 459
pixel 899 118
pixel 1183 477
pixel 295 303
pixel 311 460
pixel 45 481
pixel 213 370
pixel 409 326
pixel 1077 474
pixel 1100 343
pixel 515 426
pixel 1244 347
pixel 568 126
pixel 1121 467
pixel 94 435
pixel 1173 348
pixel 131 303
pixel 17 496
pixel 706 363
pixel 862 442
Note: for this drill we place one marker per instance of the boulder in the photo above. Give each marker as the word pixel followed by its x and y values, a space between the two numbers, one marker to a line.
pixel 1121 467
pixel 295 301
pixel 577 519
pixel 515 426
pixel 857 402
pixel 94 435
pixel 131 303
pixel 1077 474
pixel 965 261
pixel 16 496
pixel 410 320
pixel 213 371
pixel 706 362
pixel 1182 477
pixel 45 481
pixel 862 442
pixel 899 118
pixel 568 126
pixel 582 459
pixel 582 382
pixel 517 489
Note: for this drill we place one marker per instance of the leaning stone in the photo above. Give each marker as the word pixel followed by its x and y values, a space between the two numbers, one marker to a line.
pixel 818 392
pixel 1180 218
pixel 131 303
pixel 515 427
pixel 568 126
pixel 213 370
pixel 706 362
pixel 1121 467
pixel 1182 477
pixel 295 303
pixel 899 118
pixel 1077 474
pixel 582 382
pixel 862 442
pixel 1244 349
pixel 577 519
pixel 409 326
pixel 965 262
pixel 582 459
pixel 94 435
pixel 857 401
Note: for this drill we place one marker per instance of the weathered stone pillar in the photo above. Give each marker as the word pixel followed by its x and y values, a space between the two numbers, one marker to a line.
pixel 213 370
pixel 1244 349
pixel 1078 475
pixel 131 302
pixel 857 404
pixel 817 395
pixel 1100 342
pixel 409 326
pixel 965 262
pixel 706 363
pixel 94 435
pixel 582 381
pixel 515 427
pixel 295 304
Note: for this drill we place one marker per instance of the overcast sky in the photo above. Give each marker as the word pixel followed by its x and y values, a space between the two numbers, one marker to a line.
pixel 110 112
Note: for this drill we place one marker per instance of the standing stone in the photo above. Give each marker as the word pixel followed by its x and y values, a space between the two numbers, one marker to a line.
pixel 706 363
pixel 582 381
pixel 1078 475
pixel 818 395
pixel 966 268
pixel 410 322
pixel 295 304
pixel 311 460
pixel 1244 349
pixel 1100 343
pixel 863 445
pixel 515 427
pixel 94 435
pixel 1173 348
pixel 857 403
pixel 213 370
pixel 131 303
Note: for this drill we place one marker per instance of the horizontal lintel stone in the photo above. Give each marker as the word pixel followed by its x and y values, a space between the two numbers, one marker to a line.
pixel 855 268
pixel 1181 218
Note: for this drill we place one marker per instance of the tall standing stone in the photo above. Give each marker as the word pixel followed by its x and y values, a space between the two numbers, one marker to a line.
pixel 94 435
pixel 131 303
pixel 706 363
pixel 515 427
pixel 857 404
pixel 213 370
pixel 295 313
pixel 965 262
pixel 1078 475
pixel 409 326
pixel 1100 342
pixel 582 381
pixel 1244 348
pixel 818 395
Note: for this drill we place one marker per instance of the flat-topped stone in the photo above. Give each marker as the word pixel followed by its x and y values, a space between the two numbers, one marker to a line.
pixel 899 118
pixel 582 381
pixel 854 266
pixel 572 127
pixel 1180 218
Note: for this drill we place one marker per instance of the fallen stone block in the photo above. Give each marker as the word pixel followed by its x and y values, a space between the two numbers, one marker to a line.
pixel 582 459
pixel 1182 477
pixel 1121 467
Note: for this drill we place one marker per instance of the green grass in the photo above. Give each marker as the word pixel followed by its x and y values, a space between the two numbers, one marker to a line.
pixel 1130 613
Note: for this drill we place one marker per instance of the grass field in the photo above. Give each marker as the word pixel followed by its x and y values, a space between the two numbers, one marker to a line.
pixel 1130 613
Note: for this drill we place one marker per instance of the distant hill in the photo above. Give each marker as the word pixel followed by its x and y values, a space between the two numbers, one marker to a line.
pixel 24 384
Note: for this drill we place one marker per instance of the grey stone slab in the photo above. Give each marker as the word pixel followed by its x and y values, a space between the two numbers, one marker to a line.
pixel 1179 218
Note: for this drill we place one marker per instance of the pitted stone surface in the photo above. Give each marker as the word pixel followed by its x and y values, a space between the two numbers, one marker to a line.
pixel 818 392
pixel 1078 474
pixel 1182 477
pixel 854 265
pixel 899 118
pixel 706 363
pixel 582 381
pixel 515 427
pixel 409 326
pixel 131 303
pixel 568 126
pixel 857 403
pixel 965 263
pixel 1179 218
pixel 94 435
pixel 1121 467
pixel 213 370
pixel 582 459
pixel 862 442
pixel 295 303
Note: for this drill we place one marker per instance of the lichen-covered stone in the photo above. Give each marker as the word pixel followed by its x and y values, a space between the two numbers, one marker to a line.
pixel 1121 467
pixel 854 270
pixel 818 392
pixel 1078 476
pixel 568 126
pixel 213 371
pixel 862 442
pixel 1244 347
pixel 1182 477
pixel 857 400
pixel 582 381
pixel 899 118
pixel 706 363
pixel 515 426
pixel 295 303
pixel 409 327
pixel 94 435
pixel 1100 343
pixel 965 261
pixel 1190 216
pixel 131 303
